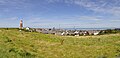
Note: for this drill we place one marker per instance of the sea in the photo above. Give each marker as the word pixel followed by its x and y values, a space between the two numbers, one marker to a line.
pixel 87 28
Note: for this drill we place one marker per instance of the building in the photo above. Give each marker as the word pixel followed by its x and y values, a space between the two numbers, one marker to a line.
pixel 94 32
pixel 63 32
pixel 21 24
pixel 27 28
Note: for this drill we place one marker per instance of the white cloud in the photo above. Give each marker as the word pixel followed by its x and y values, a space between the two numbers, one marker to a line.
pixel 9 22
pixel 38 21
pixel 115 20
pixel 93 18
pixel 11 18
pixel 104 6
pixel 51 1
pixel 9 5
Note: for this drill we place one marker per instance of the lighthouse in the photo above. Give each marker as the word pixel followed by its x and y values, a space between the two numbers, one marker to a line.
pixel 21 24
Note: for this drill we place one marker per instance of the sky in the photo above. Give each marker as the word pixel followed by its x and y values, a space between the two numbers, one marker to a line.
pixel 60 13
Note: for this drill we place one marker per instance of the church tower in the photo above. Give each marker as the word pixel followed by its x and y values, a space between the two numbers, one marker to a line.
pixel 21 24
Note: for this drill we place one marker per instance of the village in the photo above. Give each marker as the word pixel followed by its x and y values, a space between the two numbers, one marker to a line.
pixel 65 32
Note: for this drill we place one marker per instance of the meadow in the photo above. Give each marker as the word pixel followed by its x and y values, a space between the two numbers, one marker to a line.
pixel 21 44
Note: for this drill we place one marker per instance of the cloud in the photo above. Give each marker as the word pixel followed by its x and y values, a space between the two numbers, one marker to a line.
pixel 11 18
pixel 102 6
pixel 115 20
pixel 52 1
pixel 85 18
pixel 93 18
pixel 9 5
pixel 9 22
pixel 66 21
pixel 38 20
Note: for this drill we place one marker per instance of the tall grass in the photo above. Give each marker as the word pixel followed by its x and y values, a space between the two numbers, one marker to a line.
pixel 16 44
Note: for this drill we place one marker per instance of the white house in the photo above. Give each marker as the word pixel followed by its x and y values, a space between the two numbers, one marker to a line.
pixel 63 33
pixel 96 33
pixel 27 28
pixel 76 33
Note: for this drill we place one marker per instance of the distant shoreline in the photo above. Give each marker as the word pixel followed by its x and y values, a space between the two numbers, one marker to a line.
pixel 72 28
pixel 87 28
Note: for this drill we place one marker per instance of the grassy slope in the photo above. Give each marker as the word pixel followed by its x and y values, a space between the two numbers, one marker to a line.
pixel 15 44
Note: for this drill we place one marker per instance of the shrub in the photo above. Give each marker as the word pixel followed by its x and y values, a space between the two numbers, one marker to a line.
pixel 7 39
pixel 102 56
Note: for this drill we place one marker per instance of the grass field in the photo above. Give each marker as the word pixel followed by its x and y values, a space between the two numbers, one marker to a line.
pixel 16 44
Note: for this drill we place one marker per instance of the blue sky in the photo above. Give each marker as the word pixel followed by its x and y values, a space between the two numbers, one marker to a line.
pixel 63 13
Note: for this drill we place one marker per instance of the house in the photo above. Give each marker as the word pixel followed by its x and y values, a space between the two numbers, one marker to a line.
pixel 67 32
pixel 76 33
pixel 86 33
pixel 81 33
pixel 39 30
pixel 93 32
pixel 96 33
pixel 63 33
pixel 27 28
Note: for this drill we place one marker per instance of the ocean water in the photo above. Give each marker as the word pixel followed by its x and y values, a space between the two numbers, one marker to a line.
pixel 87 28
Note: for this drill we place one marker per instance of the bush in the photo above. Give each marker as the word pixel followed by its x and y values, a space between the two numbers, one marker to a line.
pixel 22 53
pixel 7 39
pixel 117 53
pixel 102 56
